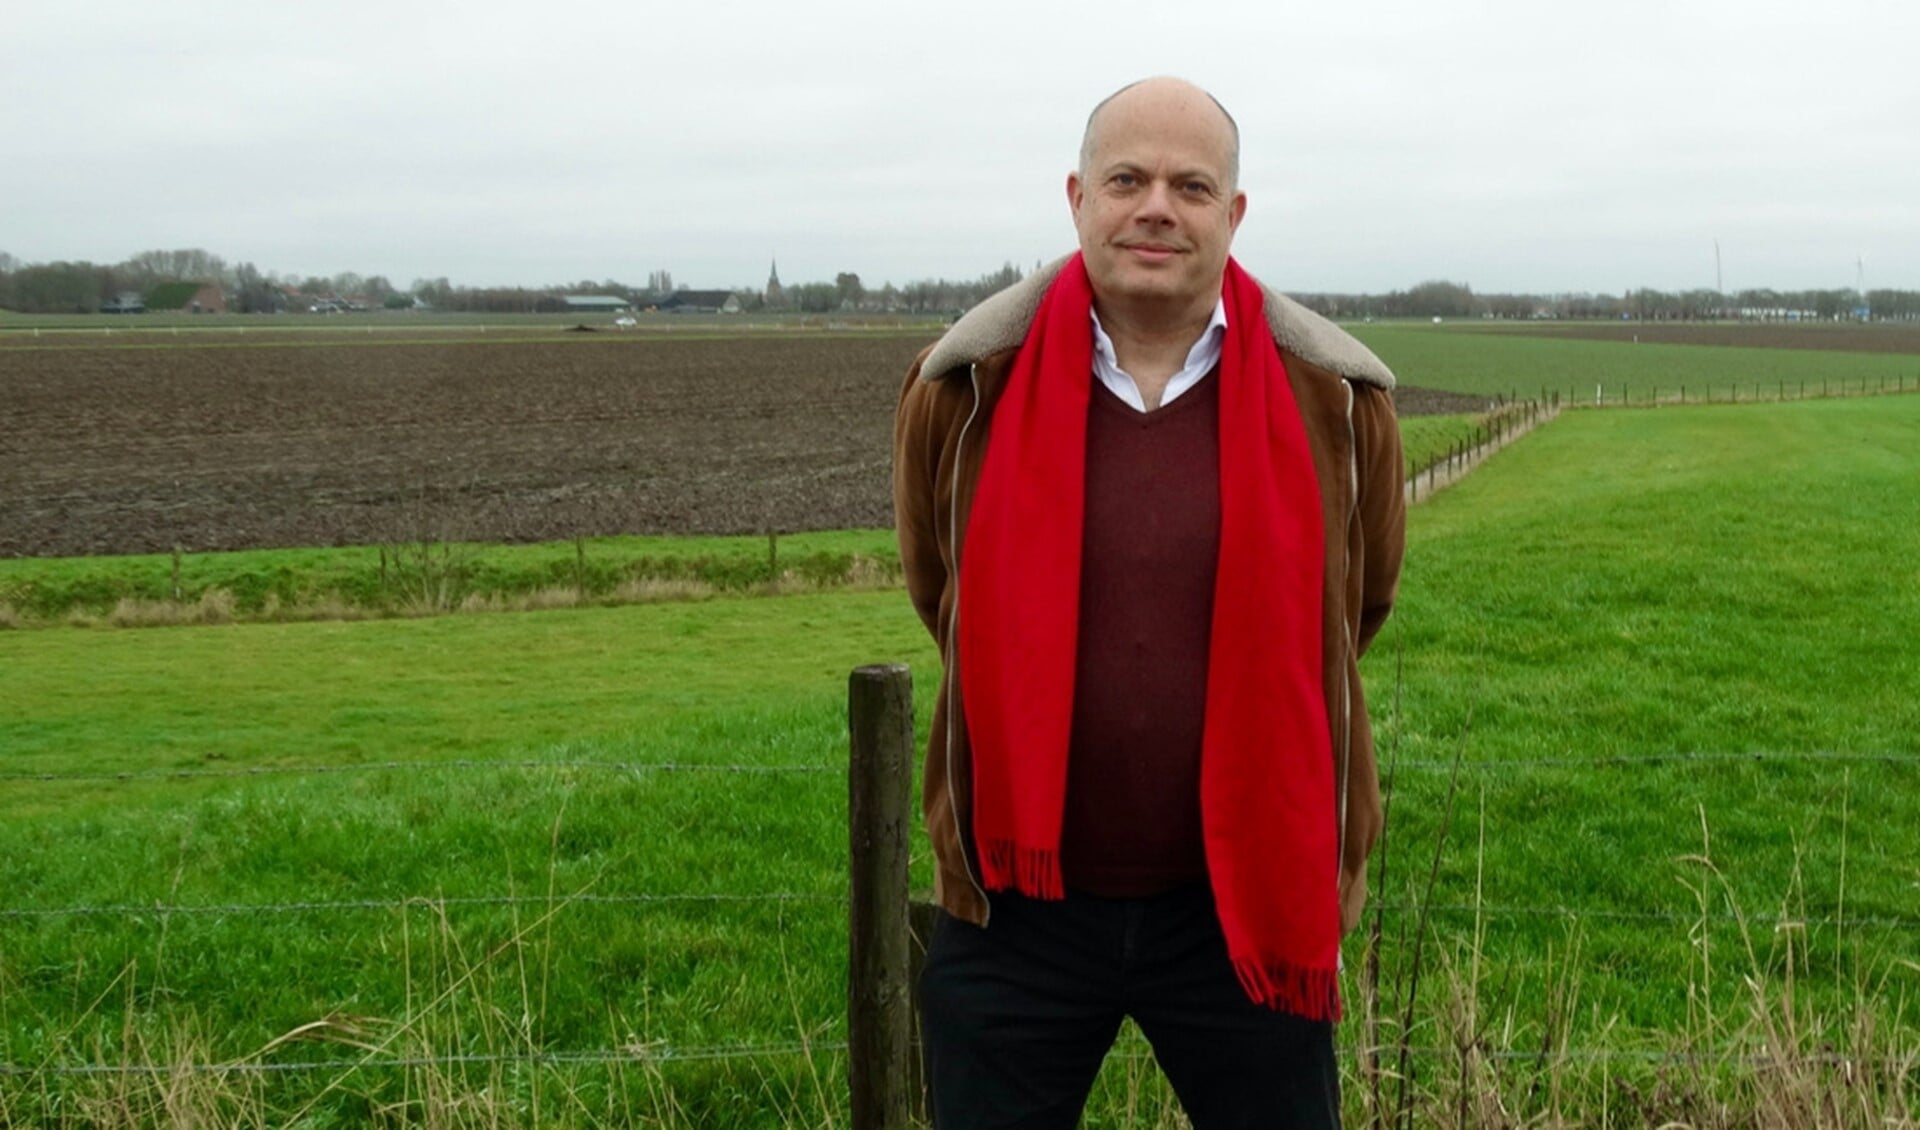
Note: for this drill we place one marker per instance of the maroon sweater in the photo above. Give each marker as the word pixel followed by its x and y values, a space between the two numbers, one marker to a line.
pixel 1149 554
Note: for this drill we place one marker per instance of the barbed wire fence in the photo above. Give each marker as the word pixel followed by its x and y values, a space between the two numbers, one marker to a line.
pixel 662 1053
pixel 1511 415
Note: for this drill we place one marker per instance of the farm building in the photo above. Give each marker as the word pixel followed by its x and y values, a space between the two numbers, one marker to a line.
pixel 126 302
pixel 188 297
pixel 596 303
pixel 699 302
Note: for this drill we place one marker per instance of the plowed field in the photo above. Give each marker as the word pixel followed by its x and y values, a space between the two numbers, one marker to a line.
pixel 224 447
pixel 289 440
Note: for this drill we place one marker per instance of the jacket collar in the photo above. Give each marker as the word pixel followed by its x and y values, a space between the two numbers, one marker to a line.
pixel 1001 322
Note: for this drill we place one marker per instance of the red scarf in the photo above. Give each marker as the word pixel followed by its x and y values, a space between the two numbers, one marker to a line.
pixel 1266 771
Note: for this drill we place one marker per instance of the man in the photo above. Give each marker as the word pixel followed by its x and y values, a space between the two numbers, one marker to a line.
pixel 1150 784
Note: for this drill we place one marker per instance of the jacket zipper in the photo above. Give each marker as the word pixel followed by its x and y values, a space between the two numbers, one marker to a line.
pixel 953 632
pixel 1346 636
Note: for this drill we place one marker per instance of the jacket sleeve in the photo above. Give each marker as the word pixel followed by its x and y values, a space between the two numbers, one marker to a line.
pixel 1382 506
pixel 1382 517
pixel 917 443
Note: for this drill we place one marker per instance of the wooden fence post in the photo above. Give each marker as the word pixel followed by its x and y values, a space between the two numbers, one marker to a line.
pixel 879 1004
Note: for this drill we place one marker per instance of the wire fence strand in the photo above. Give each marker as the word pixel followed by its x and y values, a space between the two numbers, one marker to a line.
pixel 431 903
pixel 1772 921
pixel 1497 765
pixel 650 1054
pixel 420 766
pixel 418 902
pixel 639 1055
pixel 1509 764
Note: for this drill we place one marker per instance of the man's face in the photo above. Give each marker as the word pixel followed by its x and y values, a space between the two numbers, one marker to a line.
pixel 1155 205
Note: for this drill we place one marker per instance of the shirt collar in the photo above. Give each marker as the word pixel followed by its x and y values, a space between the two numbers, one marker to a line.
pixel 1201 359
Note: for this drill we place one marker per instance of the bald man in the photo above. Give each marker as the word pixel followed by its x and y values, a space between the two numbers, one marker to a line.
pixel 1150 783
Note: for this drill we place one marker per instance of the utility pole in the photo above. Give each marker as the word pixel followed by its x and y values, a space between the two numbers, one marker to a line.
pixel 1719 283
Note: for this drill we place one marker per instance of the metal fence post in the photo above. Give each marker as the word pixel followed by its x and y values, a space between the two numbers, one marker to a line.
pixel 879 1005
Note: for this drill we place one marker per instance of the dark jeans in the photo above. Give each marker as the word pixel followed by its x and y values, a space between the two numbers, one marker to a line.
pixel 1017 1017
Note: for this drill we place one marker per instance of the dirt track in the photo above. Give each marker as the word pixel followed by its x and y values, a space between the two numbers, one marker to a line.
pixel 232 445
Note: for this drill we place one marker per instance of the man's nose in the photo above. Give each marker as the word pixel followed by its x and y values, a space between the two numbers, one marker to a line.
pixel 1156 205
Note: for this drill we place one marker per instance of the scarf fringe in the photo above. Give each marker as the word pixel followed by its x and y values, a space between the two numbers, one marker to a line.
pixel 1312 993
pixel 1033 872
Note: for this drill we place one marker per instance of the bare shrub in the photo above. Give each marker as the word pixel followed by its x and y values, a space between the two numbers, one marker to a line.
pixel 429 577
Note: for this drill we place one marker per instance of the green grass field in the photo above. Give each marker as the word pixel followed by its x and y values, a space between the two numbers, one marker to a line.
pixel 1466 358
pixel 1652 636
pixel 1671 650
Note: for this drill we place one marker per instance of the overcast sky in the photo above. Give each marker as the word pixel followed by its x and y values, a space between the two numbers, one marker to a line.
pixel 1514 146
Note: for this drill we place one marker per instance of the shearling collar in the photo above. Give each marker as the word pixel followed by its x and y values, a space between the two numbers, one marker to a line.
pixel 1002 320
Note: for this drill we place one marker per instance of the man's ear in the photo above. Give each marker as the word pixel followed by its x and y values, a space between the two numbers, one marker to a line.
pixel 1236 212
pixel 1073 194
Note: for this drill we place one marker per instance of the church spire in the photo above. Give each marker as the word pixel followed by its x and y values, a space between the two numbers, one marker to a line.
pixel 776 294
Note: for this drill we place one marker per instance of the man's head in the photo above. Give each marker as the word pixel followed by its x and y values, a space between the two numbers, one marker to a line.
pixel 1156 199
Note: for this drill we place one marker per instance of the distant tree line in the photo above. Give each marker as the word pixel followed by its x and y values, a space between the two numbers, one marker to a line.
pixel 83 287
pixel 80 287
pixel 1438 299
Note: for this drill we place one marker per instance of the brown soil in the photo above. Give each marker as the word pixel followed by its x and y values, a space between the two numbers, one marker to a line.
pixel 225 446
pixel 1437 402
pixel 130 443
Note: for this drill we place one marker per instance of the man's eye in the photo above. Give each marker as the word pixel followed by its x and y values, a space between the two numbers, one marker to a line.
pixel 1196 188
pixel 1125 180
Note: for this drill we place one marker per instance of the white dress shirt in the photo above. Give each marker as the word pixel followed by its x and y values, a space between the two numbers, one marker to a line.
pixel 1201 359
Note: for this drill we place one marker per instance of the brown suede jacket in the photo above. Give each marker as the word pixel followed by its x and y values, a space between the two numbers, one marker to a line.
pixel 940 440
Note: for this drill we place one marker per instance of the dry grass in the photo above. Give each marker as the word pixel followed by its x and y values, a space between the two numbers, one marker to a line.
pixel 660 591
pixel 215 606
pixel 457 1057
pixel 1455 1059
pixel 873 573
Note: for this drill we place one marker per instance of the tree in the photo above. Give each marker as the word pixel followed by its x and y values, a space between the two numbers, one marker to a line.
pixel 814 298
pixel 181 264
pixel 1006 276
pixel 253 293
pixel 847 285
pixel 433 292
pixel 63 288
pixel 1436 298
